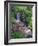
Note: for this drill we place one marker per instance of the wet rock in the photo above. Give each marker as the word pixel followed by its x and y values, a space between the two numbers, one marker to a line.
pixel 19 26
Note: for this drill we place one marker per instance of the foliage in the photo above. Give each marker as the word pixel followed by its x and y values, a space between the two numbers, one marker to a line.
pixel 17 35
pixel 26 17
pixel 26 14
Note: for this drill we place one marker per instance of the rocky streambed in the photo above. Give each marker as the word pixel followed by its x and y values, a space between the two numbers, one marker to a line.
pixel 21 27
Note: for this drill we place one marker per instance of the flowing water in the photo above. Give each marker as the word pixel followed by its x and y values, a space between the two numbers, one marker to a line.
pixel 26 31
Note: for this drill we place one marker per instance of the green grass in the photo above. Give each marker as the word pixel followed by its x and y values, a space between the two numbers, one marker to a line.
pixel 17 35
